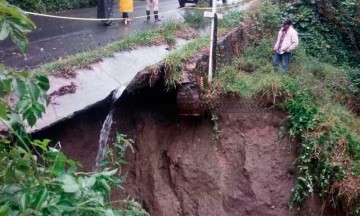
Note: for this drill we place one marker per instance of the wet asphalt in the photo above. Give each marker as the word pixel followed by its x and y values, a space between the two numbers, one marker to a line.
pixel 56 38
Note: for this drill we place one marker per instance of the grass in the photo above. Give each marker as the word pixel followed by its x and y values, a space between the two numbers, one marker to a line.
pixel 165 34
pixel 195 18
pixel 232 19
pixel 176 61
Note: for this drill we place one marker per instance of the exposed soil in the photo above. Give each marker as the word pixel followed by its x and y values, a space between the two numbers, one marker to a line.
pixel 67 89
pixel 178 168
pixel 187 34
pixel 65 73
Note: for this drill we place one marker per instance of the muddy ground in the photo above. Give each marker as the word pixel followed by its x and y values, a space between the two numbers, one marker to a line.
pixel 185 166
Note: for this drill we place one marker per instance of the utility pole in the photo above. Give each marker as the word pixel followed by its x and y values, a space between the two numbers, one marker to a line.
pixel 213 37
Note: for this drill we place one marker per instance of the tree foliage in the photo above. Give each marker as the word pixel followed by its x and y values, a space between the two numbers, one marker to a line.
pixel 14 23
pixel 52 5
pixel 331 28
pixel 36 178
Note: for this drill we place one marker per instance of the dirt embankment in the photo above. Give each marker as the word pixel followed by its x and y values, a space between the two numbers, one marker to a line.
pixel 179 169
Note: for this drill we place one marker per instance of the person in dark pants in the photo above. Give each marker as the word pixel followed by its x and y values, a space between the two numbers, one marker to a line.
pixel 154 5
pixel 286 42
pixel 211 2
pixel 126 7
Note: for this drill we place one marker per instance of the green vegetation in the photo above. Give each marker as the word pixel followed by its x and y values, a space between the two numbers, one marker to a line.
pixel 320 99
pixel 330 28
pixel 15 24
pixel 232 19
pixel 175 62
pixel 52 5
pixel 35 177
pixel 164 34
pixel 195 18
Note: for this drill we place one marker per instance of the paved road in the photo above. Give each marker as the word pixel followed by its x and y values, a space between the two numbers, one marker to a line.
pixel 55 38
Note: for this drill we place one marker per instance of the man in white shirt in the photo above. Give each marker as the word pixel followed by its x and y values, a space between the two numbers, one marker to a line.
pixel 286 42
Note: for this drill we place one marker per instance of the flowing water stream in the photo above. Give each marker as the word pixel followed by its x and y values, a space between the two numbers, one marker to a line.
pixel 106 128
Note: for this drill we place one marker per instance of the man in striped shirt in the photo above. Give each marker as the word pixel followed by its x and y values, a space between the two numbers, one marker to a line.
pixel 286 42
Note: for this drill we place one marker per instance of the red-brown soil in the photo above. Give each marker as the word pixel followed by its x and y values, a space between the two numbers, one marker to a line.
pixel 179 169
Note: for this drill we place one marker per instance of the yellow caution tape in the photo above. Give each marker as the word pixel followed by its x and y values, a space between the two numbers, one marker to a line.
pixel 116 19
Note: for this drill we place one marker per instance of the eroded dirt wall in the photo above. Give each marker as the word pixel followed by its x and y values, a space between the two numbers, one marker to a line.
pixel 180 169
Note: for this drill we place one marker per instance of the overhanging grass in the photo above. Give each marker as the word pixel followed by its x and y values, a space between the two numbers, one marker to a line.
pixel 165 34
pixel 176 61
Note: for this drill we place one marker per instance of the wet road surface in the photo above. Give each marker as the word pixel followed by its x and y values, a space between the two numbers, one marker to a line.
pixel 56 38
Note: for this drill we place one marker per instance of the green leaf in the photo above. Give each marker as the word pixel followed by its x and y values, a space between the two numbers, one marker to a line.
pixel 23 104
pixel 2 89
pixel 33 90
pixel 110 172
pixel 89 182
pixel 105 185
pixel 7 85
pixel 3 109
pixel 65 205
pixel 70 184
pixel 40 107
pixel 122 162
pixel 42 144
pixel 41 198
pixel 109 212
pixel 5 209
pixel 24 74
pixel 31 119
pixel 20 87
pixel 37 109
pixel 54 210
pixel 20 40
pixel 21 176
pixel 43 82
pixel 4 30
pixel 24 201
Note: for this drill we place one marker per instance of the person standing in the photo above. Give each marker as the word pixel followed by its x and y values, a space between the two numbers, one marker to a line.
pixel 286 42
pixel 126 7
pixel 152 5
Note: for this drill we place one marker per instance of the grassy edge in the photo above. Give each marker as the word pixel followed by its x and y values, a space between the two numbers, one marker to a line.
pixel 68 64
pixel 176 61
pixel 165 34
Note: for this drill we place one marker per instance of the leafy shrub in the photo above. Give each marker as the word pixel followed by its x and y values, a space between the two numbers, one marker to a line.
pixel 36 178
pixel 52 5
pixel 231 19
pixel 330 28
pixel 195 18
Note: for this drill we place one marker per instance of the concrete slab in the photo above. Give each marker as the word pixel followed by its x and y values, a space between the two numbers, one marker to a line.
pixel 95 84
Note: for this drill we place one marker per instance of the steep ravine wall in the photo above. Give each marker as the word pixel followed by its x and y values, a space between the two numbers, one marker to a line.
pixel 179 168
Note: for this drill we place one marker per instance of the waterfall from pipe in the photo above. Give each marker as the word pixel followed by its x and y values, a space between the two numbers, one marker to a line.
pixel 106 128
